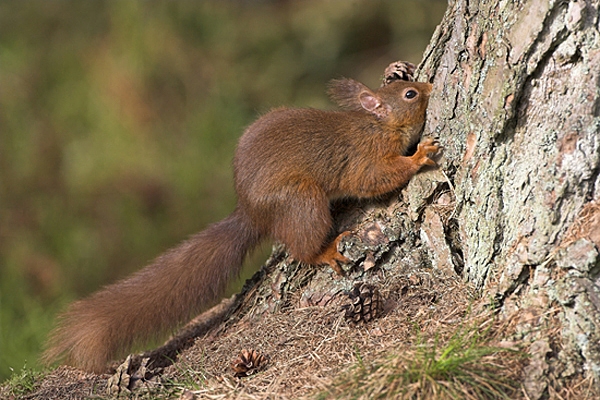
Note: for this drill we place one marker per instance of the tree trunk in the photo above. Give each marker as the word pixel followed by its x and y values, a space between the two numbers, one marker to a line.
pixel 516 107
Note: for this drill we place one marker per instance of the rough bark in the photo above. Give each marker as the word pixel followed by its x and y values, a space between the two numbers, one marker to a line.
pixel 516 106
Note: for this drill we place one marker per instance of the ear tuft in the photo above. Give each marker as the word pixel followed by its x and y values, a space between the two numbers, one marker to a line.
pixel 345 93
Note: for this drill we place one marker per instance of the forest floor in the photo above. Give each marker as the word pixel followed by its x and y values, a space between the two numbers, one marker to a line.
pixel 432 338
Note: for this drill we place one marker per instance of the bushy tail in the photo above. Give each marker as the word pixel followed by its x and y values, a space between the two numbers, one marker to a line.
pixel 167 292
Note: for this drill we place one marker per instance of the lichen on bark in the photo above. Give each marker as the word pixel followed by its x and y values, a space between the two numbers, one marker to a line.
pixel 516 107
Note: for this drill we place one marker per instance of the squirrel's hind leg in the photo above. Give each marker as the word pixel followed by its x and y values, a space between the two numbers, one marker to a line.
pixel 331 256
pixel 304 225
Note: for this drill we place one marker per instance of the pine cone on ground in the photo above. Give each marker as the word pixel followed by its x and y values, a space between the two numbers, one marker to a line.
pixel 247 363
pixel 365 303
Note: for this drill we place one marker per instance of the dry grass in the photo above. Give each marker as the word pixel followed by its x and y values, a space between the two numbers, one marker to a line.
pixel 61 383
pixel 434 340
pixel 586 225
pixel 430 342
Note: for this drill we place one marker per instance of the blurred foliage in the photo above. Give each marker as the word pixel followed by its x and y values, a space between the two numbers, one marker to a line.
pixel 118 122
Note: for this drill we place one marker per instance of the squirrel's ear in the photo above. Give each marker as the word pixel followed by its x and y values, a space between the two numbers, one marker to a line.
pixel 369 101
pixel 373 104
pixel 346 93
pixel 352 95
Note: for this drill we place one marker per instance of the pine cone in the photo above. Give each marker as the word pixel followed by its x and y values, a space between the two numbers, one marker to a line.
pixel 365 303
pixel 248 362
pixel 399 70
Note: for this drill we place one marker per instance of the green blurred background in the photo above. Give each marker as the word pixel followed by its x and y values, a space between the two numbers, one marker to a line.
pixel 118 122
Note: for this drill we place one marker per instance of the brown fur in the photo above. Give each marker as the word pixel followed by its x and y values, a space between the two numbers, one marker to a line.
pixel 289 165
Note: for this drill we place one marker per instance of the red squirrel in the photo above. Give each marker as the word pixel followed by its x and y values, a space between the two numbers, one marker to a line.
pixel 289 166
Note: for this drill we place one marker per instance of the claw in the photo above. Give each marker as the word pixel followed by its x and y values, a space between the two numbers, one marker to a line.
pixel 332 257
pixel 424 149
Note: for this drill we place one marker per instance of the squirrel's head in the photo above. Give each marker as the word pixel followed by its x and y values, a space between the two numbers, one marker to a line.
pixel 399 104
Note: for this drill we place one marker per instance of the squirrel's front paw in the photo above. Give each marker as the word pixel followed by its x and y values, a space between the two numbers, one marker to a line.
pixel 424 149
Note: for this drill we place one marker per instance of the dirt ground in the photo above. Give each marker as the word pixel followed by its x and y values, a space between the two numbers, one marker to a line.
pixel 308 348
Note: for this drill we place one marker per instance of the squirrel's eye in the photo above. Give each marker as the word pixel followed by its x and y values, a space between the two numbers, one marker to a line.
pixel 410 94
